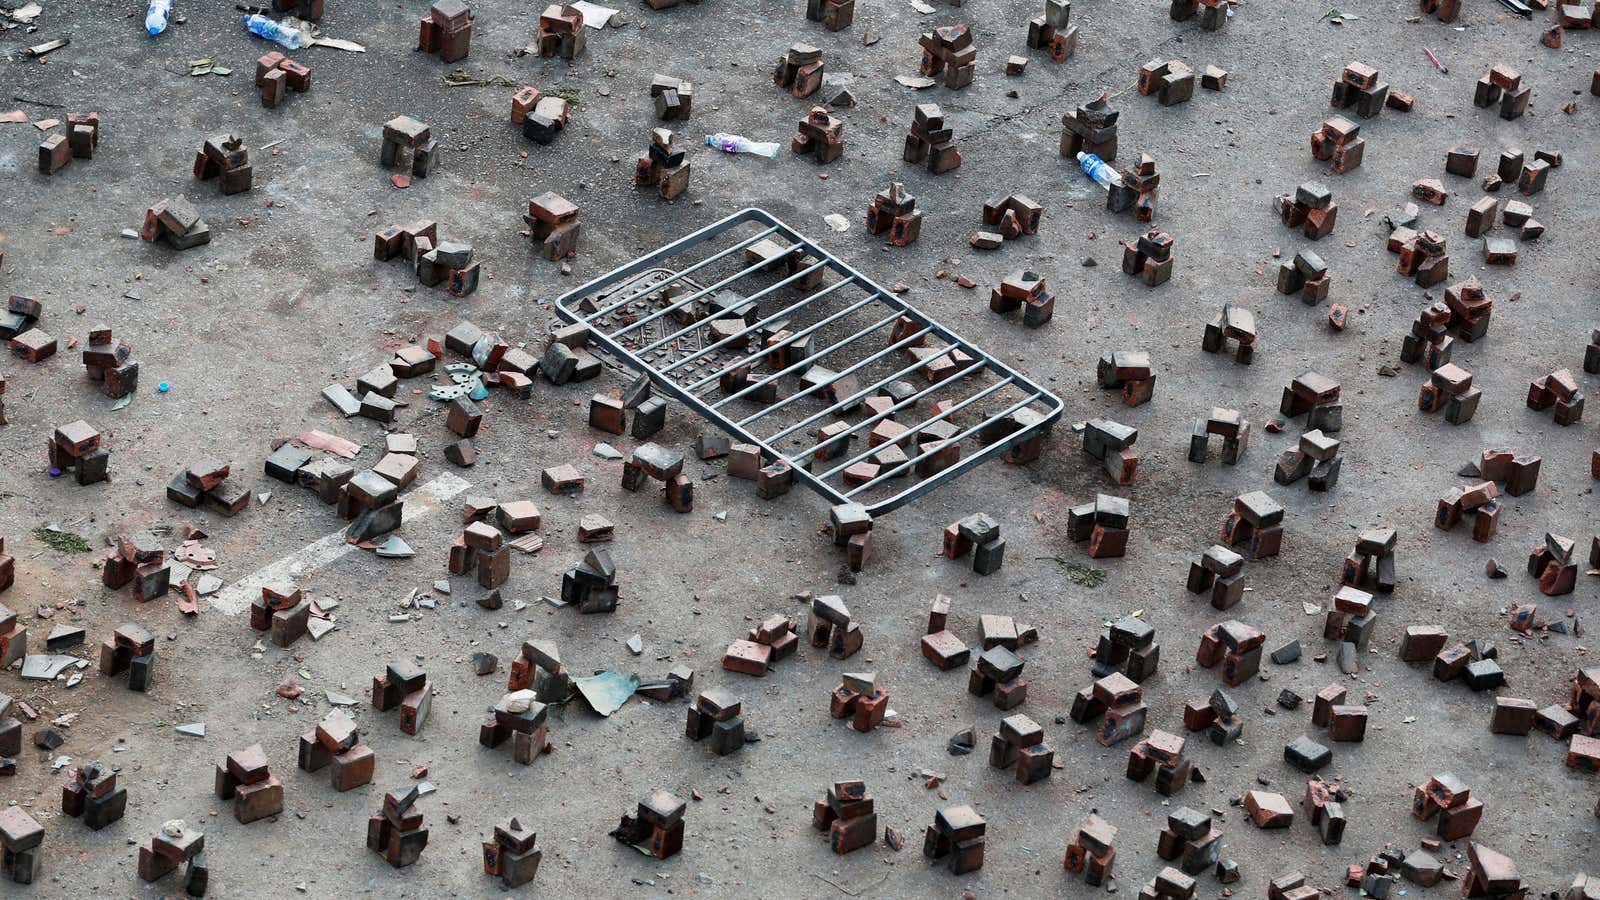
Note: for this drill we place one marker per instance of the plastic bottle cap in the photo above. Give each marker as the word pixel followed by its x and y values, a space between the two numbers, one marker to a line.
pixel 163 387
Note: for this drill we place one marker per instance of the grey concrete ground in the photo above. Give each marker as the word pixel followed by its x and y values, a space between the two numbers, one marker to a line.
pixel 287 298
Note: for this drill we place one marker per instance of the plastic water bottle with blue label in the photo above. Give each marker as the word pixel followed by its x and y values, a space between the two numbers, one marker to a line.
pixel 290 38
pixel 155 18
pixel 734 143
pixel 1097 169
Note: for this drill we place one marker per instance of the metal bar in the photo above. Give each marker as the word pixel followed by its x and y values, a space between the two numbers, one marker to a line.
pixel 793 366
pixel 923 486
pixel 910 431
pixel 882 476
pixel 690 298
pixel 787 310
pixel 796 336
pixel 868 421
pixel 668 251
pixel 853 398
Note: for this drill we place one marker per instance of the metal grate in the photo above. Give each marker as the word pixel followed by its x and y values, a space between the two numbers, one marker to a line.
pixel 757 328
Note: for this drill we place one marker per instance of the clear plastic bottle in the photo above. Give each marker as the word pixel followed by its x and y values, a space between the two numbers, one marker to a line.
pixel 1099 170
pixel 273 31
pixel 155 18
pixel 734 143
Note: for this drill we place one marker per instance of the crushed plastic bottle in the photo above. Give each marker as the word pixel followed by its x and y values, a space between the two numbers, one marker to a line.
pixel 734 143
pixel 274 31
pixel 1097 169
pixel 155 18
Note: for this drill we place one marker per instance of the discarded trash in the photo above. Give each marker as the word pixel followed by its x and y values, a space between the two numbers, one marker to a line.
pixel 155 18
pixel 734 143
pixel 260 25
pixel 605 693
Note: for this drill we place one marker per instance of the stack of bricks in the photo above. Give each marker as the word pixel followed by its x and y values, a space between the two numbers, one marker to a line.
pixel 1129 370
pixel 829 624
pixel 1306 275
pixel 653 461
pixel 1560 390
pixel 1316 397
pixel 1027 291
pixel 674 98
pixel 949 50
pixel 1119 700
pixel 662 165
pixel 177 222
pixel 847 815
pixel 434 262
pixel 22 317
pixel 1358 86
pixel 1220 571
pixel 481 547
pixel 1551 562
pixel 799 71
pixel 91 792
pixel 1502 85
pixel 1317 456
pixel 395 832
pixel 372 502
pixel 1053 31
pixel 1091 129
pixel 1423 256
pixel 1213 13
pixel 1291 887
pixel 511 855
pixel 1371 566
pixel 1449 388
pixel 1582 709
pixel 542 117
pixel 1310 209
pixel 1257 523
pixel 1530 180
pixel 1161 753
pixel 1136 190
pixel 940 645
pixel 592 584
pixel 554 225
pixel 1022 452
pixel 1491 874
pixel 716 715
pixel 1236 646
pixel 1429 341
pixel 538 668
pixel 859 699
pixel 227 159
pixel 928 143
pixel 1112 444
pixel 207 481
pixel 446 30
pixel 997 674
pixel 894 210
pixel 1149 258
pixel 1230 425
pixel 523 719
pixel 21 846
pixel 1172 81
pixel 1470 309
pixel 835 15
pixel 851 524
pixel 13 646
pixel 819 135
pixel 110 363
pixel 1191 840
pixel 1325 803
pixel 1218 716
pixel 131 649
pixel 561 32
pixel 956 836
pixel 463 418
pixel 1006 218
pixel 176 844
pixel 403 133
pixel 140 559
pixel 282 611
pixel 277 75
pixel 403 684
pixel 1339 140
pixel 1090 852
pixel 1452 799
pixel 1169 883
pixel 80 141
pixel 1473 663
pixel 1103 523
pixel 658 828
pixel 336 741
pixel 1129 647
pixel 246 779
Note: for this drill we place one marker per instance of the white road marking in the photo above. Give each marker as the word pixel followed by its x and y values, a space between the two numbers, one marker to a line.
pixel 236 598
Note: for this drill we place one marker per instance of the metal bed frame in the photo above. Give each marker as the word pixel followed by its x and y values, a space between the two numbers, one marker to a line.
pixel 632 311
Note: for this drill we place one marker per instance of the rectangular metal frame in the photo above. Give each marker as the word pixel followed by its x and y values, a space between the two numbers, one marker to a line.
pixel 812 258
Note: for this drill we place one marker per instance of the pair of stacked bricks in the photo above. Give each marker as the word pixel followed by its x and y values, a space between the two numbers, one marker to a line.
pixel 1006 218
pixel 403 684
pixel 1091 852
pixel 1338 140
pixel 949 50
pixel 1169 883
pixel 1171 81
pixel 1371 566
pixel 1307 275
pixel 336 742
pixel 1326 805
pixel 819 135
pixel 1191 840
pixel 402 134
pixel 1019 744
pixel 1213 13
pixel 1316 397
pixel 542 116
pixel 1228 424
pixel 395 831
pixel 1119 701
pixel 1027 291
pixel 928 143
pixel 1220 571
pixel 657 829
pixel 1503 85
pixel 799 70
pixel 653 461
pixel 956 836
pixel 835 15
pixel 847 815
pixel 1160 753
pixel 1359 86
pixel 1559 390
pixel 282 611
pixel 716 714
pixel 894 210
pixel 21 846
pixel 176 221
pixel 1053 31
pixel 592 584
pixel 80 141
pixel 246 779
pixel 673 97
pixel 481 547
pixel 940 645
pixel 1449 388
pixel 1090 128
pixel 997 673
pixel 277 75
pixel 91 792
pixel 1255 522
pixel 538 667
pixel 512 854
pixel 1103 523
pixel 662 165
pixel 372 502
pixel 859 699
pixel 176 844
pixel 138 558
pixel 110 363
pixel 19 325
pixel 227 159
pixel 521 717
pixel 446 30
pixel 1149 258
pixel 1129 647
pixel 131 649
pixel 1310 208
pixel 828 624
pixel 1131 372
pixel 1551 562
pixel 1448 797
pixel 1136 190
pixel 1316 456
pixel 1112 444
pixel 207 481
pixel 561 32
pixel 554 225
pixel 1218 716
pixel 1236 647
pixel 1423 256
pixel 1351 619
